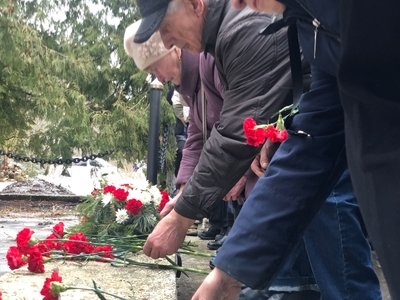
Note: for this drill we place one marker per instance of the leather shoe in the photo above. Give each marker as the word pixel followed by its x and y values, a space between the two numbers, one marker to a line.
pixel 210 233
pixel 214 245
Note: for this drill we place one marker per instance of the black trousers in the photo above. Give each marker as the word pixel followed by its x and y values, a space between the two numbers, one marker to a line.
pixel 369 82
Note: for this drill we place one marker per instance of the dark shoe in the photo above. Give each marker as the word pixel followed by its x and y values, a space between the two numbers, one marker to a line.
pixel 211 262
pixel 214 245
pixel 250 294
pixel 303 295
pixel 223 233
pixel 210 233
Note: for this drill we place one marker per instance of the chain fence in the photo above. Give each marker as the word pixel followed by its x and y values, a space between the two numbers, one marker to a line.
pixel 58 161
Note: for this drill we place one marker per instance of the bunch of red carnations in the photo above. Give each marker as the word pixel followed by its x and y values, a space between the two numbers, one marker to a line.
pixel 35 253
pixel 257 134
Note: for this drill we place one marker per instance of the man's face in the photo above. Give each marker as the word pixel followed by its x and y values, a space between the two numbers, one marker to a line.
pixel 183 27
pixel 167 68
pixel 268 6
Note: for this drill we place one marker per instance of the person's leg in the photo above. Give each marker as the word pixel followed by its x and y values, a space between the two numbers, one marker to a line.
pixel 217 219
pixel 369 81
pixel 338 248
pixel 295 279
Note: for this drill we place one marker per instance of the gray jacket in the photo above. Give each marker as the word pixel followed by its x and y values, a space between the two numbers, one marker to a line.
pixel 255 73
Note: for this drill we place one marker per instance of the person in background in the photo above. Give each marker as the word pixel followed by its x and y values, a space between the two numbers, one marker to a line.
pixel 368 76
pixel 182 69
pixel 181 111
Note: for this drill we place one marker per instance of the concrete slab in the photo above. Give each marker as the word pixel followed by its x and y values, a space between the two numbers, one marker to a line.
pixel 130 282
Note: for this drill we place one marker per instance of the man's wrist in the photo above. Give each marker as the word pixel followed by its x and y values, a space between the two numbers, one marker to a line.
pixel 227 280
pixel 184 221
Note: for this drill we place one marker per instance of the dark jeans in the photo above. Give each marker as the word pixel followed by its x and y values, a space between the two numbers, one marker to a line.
pixel 338 248
pixel 369 81
pixel 338 252
pixel 217 216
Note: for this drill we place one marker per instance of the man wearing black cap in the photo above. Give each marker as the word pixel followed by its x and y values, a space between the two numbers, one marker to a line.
pixel 255 73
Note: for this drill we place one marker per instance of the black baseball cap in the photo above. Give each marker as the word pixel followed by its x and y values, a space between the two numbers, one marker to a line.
pixel 152 12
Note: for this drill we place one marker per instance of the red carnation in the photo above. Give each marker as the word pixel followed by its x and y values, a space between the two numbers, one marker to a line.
pixel 276 135
pixel 249 124
pixel 1 296
pixel 271 133
pixel 51 243
pixel 35 261
pixel 282 135
pixel 133 206
pixel 14 258
pixel 43 248
pixel 164 201
pixel 121 194
pixel 78 243
pixel 254 136
pixel 109 189
pixel 47 291
pixel 58 230
pixel 23 238
pixel 104 251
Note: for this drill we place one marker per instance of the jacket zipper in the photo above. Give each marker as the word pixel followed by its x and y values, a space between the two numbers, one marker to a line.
pixel 317 27
pixel 316 24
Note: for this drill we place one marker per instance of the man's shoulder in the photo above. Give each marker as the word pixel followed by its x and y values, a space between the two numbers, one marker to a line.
pixel 242 21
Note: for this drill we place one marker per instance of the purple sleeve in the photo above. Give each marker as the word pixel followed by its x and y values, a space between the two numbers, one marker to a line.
pixel 191 150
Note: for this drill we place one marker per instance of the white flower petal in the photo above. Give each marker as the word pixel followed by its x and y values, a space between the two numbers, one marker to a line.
pixel 121 216
pixel 106 199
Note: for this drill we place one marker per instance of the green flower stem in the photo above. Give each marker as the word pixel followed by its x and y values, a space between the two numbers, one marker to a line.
pixel 95 291
pixel 195 253
pixel 162 266
pixel 123 260
pixel 288 108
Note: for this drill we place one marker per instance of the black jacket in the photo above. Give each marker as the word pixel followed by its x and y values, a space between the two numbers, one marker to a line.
pixel 255 72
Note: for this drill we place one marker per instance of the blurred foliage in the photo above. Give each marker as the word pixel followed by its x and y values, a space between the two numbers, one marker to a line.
pixel 66 84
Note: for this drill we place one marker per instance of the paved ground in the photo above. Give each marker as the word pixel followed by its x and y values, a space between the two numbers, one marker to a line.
pixel 131 282
pixel 14 215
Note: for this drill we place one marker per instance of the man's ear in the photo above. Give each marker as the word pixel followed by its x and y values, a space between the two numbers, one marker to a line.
pixel 197 6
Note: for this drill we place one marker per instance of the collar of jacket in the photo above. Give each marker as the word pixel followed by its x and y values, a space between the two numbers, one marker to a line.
pixel 216 10
pixel 190 79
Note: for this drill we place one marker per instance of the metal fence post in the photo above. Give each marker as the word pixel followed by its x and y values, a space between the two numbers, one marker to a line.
pixel 154 131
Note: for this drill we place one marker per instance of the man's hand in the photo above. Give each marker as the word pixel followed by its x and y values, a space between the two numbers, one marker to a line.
pixel 167 236
pixel 235 194
pixel 261 161
pixel 168 207
pixel 218 286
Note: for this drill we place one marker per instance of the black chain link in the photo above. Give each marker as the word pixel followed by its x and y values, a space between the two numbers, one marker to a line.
pixel 59 161
pixel 163 149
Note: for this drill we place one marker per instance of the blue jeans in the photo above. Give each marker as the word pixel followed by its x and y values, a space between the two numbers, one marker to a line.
pixel 338 252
